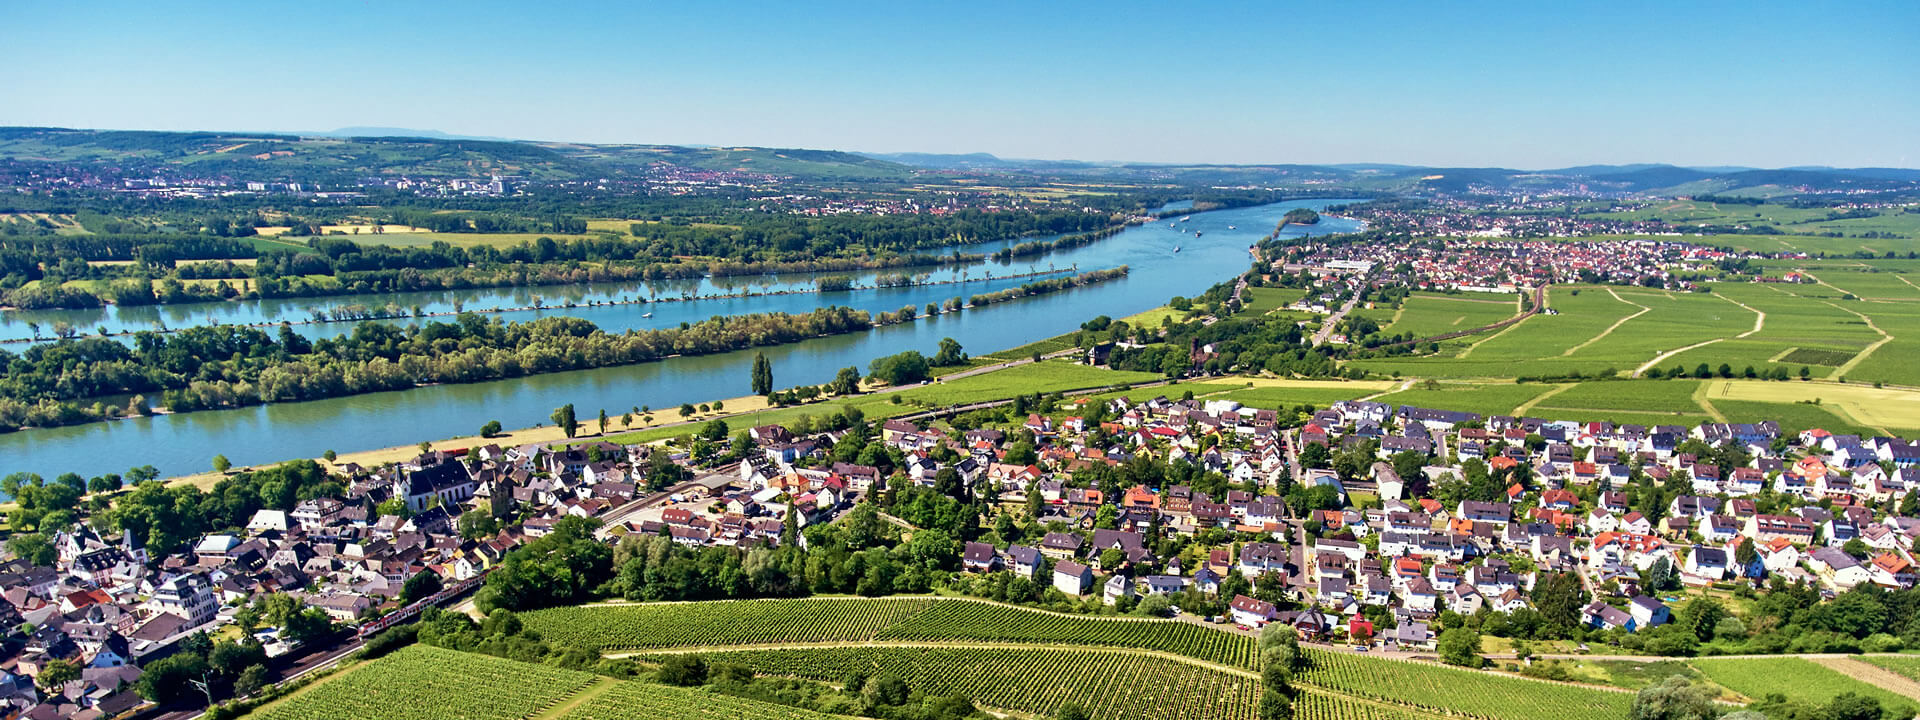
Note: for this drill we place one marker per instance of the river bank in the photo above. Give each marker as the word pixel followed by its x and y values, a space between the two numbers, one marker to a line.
pixel 388 314
pixel 183 443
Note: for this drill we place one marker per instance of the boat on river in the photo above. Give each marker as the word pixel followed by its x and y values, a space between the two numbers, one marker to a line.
pixel 1176 248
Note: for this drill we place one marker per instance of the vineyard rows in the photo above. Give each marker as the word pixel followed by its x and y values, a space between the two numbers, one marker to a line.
pixel 1311 705
pixel 427 683
pixel 1461 692
pixel 628 700
pixel 960 620
pixel 1112 684
pixel 637 627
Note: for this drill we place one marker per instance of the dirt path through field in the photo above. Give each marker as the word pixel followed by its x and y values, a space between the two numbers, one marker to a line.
pixel 599 687
pixel 1885 338
pixel 1759 322
pixel 1700 398
pixel 1610 328
pixel 1528 405
pixel 1872 675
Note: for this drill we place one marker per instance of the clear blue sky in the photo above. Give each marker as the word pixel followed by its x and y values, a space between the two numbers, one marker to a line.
pixel 1534 84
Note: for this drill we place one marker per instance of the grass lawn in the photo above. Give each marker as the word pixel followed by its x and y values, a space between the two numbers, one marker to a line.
pixel 1263 300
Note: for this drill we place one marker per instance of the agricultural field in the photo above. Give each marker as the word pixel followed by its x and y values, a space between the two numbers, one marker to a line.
pixel 966 621
pixel 1483 398
pixel 1288 393
pixel 636 627
pixel 627 700
pixel 1110 683
pixel 428 683
pixel 1427 314
pixel 1263 300
pixel 1653 397
pixel 1045 377
pixel 1905 665
pixel 1864 405
pixel 1812 682
pixel 1453 691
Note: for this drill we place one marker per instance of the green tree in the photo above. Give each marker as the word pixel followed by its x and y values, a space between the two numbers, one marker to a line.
pixel 221 464
pixel 1275 706
pixel 34 548
pixel 1072 711
pixel 847 382
pixel 686 410
pixel 250 681
pixel 949 354
pixel 1460 646
pixel 564 419
pixel 55 675
pixel 422 584
pixel 603 421
pixel 685 670
pixel 1675 698
pixel 490 429
pixel 762 375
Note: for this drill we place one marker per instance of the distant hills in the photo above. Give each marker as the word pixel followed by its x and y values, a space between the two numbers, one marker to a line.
pixel 350 154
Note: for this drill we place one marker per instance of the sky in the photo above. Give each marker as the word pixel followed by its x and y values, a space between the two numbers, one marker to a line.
pixel 1531 85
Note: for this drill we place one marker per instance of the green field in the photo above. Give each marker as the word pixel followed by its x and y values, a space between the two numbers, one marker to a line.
pixel 1454 691
pixel 1484 398
pixel 1024 379
pixel 1649 396
pixel 627 700
pixel 944 646
pixel 1281 397
pixel 634 627
pixel 1263 300
pixel 427 683
pixel 1811 682
pixel 1907 665
pixel 1110 683
pixel 1428 314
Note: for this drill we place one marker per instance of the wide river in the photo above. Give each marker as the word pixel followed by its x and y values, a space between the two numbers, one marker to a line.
pixel 185 443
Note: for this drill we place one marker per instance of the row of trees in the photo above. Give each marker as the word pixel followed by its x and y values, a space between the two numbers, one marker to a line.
pixel 210 367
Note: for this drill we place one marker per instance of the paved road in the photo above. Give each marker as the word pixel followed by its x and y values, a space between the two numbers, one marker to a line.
pixel 1326 328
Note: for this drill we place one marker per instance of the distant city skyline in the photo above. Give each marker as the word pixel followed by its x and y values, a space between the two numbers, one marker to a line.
pixel 1510 84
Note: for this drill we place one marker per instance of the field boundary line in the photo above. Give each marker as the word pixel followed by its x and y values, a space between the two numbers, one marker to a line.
pixel 1527 406
pixel 601 686
pixel 1855 361
pixel 1408 383
pixel 1700 397
pixel 1670 353
pixel 1872 674
pixel 1512 323
pixel 1759 321
pixel 1610 328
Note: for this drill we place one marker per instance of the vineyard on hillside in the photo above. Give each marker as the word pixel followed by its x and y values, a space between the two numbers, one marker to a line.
pixel 728 622
pixel 960 620
pixel 1111 683
pixel 628 700
pixel 1453 691
pixel 427 683
pixel 1812 683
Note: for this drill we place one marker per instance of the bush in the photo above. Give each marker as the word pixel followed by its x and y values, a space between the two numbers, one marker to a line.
pixel 684 670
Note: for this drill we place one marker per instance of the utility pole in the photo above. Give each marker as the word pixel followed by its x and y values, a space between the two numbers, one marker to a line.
pixel 204 683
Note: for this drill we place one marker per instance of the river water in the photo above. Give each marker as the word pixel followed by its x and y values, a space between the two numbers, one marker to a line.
pixel 185 443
